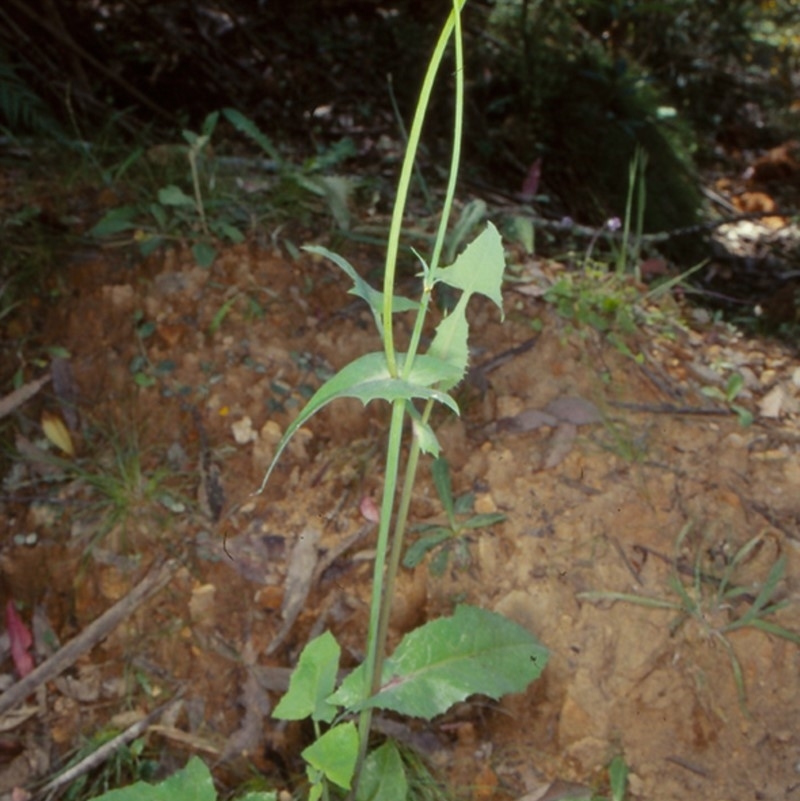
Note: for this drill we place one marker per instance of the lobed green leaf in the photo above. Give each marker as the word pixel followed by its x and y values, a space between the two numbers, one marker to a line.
pixel 449 659
pixel 361 289
pixel 478 269
pixel 367 379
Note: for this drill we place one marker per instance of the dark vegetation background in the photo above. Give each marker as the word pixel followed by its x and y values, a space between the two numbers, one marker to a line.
pixel 576 83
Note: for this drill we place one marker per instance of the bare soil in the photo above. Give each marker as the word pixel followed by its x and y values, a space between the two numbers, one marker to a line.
pixel 596 506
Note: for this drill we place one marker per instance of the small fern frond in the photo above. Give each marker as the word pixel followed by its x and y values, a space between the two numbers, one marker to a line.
pixel 21 109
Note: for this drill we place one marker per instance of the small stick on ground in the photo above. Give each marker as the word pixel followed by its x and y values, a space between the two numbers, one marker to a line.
pixel 101 754
pixel 96 631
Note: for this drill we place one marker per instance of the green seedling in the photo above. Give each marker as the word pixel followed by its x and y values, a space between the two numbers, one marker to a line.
pixel 123 490
pixel 630 249
pixel 618 778
pixel 449 539
pixel 717 604
pixel 117 487
pixel 220 315
pixel 448 659
pixel 597 298
pixel 140 366
pixel 127 763
pixel 733 387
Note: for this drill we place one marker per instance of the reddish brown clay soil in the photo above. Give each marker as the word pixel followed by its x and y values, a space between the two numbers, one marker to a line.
pixel 598 506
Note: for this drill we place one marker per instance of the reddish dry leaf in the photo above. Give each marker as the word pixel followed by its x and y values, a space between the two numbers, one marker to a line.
pixel 21 640
pixel 369 509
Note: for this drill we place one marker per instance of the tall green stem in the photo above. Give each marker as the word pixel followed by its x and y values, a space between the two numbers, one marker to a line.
pixel 441 235
pixel 393 243
pixel 387 507
pixel 384 575
pixel 413 457
pixel 396 551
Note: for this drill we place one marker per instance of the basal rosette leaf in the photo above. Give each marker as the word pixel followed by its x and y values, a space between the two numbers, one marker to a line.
pixel 383 777
pixel 334 754
pixel 312 682
pixel 193 781
pixel 449 659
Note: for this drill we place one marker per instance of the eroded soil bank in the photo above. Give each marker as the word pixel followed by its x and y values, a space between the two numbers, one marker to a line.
pixel 636 480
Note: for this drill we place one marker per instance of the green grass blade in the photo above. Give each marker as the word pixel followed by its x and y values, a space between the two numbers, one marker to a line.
pixel 738 558
pixel 778 631
pixel 738 676
pixel 767 590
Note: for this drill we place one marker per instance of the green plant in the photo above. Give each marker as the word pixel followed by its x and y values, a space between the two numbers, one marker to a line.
pixel 618 778
pixel 448 659
pixel 448 538
pixel 733 387
pixel 595 297
pixel 126 764
pixel 176 213
pixel 191 782
pixel 617 781
pixel 570 99
pixel 124 489
pixel 628 250
pixel 637 198
pixel 214 210
pixel 115 485
pixel 717 604
pixel 613 302
pixel 20 107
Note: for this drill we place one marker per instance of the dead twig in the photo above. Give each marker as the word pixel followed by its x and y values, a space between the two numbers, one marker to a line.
pixel 96 631
pixel 101 754
pixel 627 562
pixel 16 398
pixel 477 375
pixel 334 553
pixel 692 767
pixel 669 408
